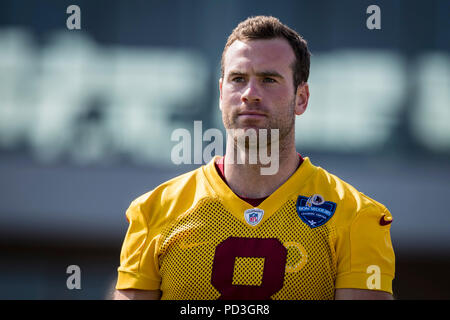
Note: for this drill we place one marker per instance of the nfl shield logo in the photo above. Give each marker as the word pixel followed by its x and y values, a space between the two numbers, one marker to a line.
pixel 253 216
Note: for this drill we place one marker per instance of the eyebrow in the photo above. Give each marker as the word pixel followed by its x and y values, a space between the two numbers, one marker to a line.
pixel 267 73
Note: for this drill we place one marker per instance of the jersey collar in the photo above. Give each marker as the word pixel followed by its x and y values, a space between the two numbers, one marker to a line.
pixel 271 204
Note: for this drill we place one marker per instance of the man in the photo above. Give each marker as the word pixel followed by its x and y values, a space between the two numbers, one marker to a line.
pixel 227 231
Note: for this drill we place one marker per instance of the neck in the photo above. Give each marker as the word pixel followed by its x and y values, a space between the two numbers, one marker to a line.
pixel 257 180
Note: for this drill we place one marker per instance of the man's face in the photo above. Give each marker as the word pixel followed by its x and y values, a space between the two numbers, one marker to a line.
pixel 257 89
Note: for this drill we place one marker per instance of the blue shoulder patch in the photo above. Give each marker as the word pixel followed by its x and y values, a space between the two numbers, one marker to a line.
pixel 314 210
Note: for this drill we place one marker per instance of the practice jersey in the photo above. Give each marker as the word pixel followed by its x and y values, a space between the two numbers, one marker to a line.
pixel 193 238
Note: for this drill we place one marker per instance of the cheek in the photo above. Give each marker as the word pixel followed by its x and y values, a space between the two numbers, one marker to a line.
pixel 283 107
pixel 282 101
pixel 279 92
pixel 230 97
pixel 226 103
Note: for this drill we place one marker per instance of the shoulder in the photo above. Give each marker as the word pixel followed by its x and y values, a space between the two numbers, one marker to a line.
pixel 174 196
pixel 350 202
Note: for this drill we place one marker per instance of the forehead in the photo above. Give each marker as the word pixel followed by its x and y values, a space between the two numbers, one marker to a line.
pixel 275 54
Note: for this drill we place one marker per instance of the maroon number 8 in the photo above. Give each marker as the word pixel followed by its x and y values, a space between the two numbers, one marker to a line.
pixel 274 254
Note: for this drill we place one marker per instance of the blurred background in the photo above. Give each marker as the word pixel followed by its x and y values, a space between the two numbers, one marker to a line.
pixel 87 116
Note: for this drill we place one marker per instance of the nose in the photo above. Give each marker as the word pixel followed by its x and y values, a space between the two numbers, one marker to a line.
pixel 251 93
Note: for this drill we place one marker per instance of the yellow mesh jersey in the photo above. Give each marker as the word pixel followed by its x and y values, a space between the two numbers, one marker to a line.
pixel 189 237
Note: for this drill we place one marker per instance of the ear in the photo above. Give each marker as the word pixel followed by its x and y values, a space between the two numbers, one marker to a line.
pixel 220 93
pixel 301 98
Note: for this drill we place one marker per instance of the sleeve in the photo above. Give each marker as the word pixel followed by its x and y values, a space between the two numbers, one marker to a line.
pixel 365 256
pixel 138 258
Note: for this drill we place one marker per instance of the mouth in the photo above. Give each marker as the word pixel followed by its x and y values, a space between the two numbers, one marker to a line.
pixel 251 115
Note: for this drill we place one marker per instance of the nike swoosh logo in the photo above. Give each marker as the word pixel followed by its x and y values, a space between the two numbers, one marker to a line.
pixel 384 221
pixel 185 245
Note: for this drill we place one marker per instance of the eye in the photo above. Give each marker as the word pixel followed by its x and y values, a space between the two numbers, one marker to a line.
pixel 237 79
pixel 269 80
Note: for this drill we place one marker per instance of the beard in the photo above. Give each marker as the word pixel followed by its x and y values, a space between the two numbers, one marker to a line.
pixel 255 131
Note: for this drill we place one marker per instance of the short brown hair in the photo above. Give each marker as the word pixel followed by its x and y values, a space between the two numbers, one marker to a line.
pixel 266 27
